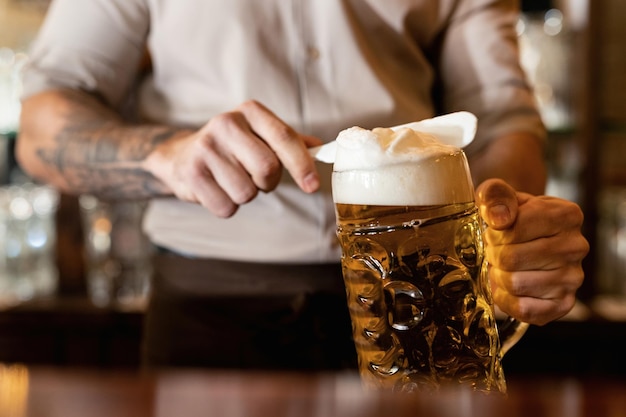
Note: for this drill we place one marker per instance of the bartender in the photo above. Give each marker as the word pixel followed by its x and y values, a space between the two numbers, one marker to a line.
pixel 215 133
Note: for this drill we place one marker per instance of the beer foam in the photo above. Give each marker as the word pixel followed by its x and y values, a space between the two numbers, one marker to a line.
pixel 398 167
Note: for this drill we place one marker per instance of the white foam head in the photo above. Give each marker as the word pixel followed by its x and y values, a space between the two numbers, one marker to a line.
pixel 399 167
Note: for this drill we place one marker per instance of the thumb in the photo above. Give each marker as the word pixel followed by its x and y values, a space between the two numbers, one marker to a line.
pixel 497 202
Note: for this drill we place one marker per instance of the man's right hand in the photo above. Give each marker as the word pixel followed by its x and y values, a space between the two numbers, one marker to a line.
pixel 234 156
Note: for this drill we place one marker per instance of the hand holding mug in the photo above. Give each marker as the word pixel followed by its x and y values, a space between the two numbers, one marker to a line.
pixel 535 249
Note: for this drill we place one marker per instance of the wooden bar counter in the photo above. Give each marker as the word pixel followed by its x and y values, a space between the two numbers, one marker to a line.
pixel 66 392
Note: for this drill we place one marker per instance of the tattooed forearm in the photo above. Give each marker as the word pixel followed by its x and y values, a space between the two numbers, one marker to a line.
pixel 97 153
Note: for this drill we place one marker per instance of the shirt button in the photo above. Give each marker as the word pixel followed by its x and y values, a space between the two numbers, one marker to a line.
pixel 313 53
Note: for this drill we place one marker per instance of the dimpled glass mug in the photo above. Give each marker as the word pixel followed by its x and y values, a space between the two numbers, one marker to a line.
pixel 413 259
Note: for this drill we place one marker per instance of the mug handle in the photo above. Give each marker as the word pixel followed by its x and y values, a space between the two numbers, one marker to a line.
pixel 510 332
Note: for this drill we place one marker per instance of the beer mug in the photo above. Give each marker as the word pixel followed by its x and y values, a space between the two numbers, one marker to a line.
pixel 413 259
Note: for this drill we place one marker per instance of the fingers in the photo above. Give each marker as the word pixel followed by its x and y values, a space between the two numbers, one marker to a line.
pixel 181 167
pixel 543 253
pixel 536 297
pixel 536 281
pixel 533 310
pixel 549 284
pixel 203 189
pixel 239 161
pixel 289 146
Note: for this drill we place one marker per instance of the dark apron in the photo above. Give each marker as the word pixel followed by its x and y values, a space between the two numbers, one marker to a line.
pixel 223 314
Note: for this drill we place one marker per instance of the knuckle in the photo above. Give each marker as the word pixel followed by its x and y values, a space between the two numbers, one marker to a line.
pixel 567 303
pixel 283 134
pixel 195 173
pixel 579 252
pixel 249 105
pixel 516 286
pixel 222 121
pixel 244 194
pixel 525 312
pixel 570 214
pixel 221 207
pixel 206 144
pixel 562 306
pixel 511 260
pixel 267 167
pixel 575 278
pixel 576 249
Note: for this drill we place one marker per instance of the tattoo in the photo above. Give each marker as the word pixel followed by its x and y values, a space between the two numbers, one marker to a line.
pixel 96 153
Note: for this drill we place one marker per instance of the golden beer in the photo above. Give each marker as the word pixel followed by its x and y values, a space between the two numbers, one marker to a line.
pixel 418 296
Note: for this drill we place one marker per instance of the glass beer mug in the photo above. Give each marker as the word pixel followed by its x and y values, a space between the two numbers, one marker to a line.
pixel 413 259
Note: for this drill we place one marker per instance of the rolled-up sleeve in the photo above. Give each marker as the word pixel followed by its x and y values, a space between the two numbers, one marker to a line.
pixel 480 71
pixel 92 45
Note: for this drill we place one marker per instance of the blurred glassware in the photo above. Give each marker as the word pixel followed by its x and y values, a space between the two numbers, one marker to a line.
pixel 611 240
pixel 27 242
pixel 545 53
pixel 117 252
pixel 547 38
pixel 11 66
pixel 5 158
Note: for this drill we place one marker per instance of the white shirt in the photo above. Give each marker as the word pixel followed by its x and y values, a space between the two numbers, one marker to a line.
pixel 320 65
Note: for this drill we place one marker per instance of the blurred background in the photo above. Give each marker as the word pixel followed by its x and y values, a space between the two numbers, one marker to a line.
pixel 74 271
